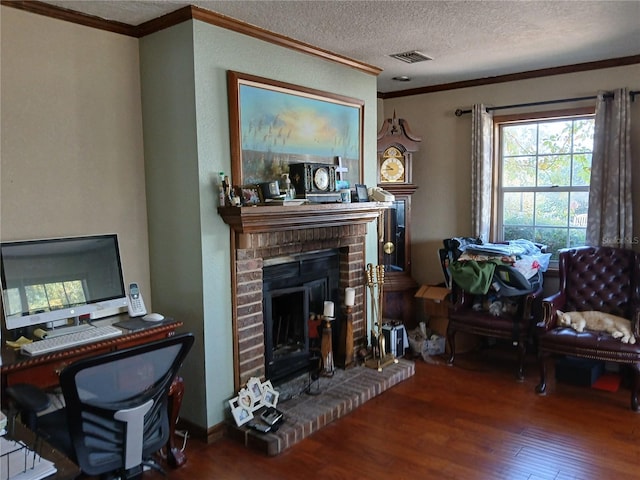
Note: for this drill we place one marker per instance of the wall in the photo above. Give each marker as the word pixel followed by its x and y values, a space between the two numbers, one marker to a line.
pixel 186 131
pixel 72 156
pixel 73 163
pixel 442 167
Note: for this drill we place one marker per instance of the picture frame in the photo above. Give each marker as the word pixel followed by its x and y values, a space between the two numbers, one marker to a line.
pixel 246 399
pixel 249 194
pixel 269 396
pixel 251 398
pixel 362 193
pixel 256 391
pixel 241 414
pixel 266 120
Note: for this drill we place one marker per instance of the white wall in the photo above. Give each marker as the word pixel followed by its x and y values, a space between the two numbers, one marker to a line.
pixel 442 166
pixel 72 156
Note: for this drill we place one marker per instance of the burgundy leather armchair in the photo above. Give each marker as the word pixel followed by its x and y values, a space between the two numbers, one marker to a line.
pixel 516 326
pixel 605 279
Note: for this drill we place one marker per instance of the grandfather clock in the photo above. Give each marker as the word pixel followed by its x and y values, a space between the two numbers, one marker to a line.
pixel 396 145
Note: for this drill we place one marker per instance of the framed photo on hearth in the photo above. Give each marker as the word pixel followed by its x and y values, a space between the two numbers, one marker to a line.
pixel 274 124
pixel 255 389
pixel 241 413
pixel 269 396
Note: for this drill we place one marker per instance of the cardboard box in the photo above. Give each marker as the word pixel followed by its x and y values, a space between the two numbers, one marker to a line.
pixel 436 306
pixel 436 300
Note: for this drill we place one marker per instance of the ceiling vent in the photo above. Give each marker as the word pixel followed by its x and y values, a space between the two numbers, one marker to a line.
pixel 411 57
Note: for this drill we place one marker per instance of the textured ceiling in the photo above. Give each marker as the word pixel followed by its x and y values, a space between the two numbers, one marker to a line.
pixel 467 40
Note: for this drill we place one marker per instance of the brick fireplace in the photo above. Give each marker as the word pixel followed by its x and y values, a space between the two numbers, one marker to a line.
pixel 261 233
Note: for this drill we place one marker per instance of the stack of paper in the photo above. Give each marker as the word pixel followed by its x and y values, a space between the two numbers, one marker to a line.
pixel 19 462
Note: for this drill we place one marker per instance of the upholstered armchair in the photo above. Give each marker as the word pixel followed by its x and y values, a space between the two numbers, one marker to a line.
pixel 604 279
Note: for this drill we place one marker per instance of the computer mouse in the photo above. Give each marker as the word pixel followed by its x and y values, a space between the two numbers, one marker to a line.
pixel 153 317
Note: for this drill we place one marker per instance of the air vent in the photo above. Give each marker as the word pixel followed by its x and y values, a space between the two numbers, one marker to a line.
pixel 411 57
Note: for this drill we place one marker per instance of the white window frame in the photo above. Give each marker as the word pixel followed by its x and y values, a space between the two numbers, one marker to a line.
pixel 498 191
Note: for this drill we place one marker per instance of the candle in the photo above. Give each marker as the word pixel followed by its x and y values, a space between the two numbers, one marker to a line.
pixel 328 309
pixel 349 296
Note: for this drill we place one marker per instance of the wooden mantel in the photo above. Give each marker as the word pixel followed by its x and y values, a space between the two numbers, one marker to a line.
pixel 261 218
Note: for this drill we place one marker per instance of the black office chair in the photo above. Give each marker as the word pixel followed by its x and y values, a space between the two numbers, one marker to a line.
pixel 116 407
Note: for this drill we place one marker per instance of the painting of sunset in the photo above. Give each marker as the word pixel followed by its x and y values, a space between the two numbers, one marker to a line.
pixel 280 126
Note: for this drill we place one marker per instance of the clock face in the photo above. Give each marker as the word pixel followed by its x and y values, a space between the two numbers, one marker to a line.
pixel 392 170
pixel 321 178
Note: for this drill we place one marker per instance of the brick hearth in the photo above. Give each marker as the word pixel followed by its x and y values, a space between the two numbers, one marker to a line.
pixel 339 395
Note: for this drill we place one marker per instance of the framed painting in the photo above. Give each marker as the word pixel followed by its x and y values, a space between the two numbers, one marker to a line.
pixel 274 124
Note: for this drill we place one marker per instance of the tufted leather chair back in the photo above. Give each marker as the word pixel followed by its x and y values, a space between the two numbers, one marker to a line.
pixel 606 279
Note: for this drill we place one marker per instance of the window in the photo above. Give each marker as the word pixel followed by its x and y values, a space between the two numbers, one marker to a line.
pixel 46 297
pixel 544 170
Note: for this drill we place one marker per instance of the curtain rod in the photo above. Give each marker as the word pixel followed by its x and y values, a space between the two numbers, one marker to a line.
pixel 459 112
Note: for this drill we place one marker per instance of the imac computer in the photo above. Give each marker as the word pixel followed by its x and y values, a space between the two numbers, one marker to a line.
pixel 56 281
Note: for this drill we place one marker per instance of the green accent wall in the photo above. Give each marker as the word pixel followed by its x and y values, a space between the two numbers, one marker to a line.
pixel 186 138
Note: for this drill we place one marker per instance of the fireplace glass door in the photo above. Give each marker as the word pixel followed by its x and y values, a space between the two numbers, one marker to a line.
pixel 286 332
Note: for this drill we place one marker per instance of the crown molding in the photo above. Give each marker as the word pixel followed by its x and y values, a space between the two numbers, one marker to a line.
pixel 229 23
pixel 181 15
pixel 41 8
pixel 196 13
pixel 545 72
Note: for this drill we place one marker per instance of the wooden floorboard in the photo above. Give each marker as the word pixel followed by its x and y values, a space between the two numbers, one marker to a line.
pixel 470 421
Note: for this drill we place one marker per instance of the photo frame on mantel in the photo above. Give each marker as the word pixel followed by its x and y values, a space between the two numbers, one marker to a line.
pixel 274 124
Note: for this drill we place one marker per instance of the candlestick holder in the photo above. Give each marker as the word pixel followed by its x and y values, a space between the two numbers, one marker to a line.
pixel 345 352
pixel 326 349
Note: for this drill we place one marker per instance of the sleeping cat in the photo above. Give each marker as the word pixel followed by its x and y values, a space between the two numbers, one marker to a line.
pixel 618 327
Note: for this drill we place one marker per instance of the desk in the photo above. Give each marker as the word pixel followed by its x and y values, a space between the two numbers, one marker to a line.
pixel 44 370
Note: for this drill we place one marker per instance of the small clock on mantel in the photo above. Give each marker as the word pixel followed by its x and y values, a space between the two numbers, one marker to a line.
pixel 396 145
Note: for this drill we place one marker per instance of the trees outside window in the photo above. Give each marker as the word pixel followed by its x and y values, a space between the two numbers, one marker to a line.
pixel 544 169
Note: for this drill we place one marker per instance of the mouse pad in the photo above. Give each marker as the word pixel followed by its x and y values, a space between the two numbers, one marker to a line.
pixel 136 324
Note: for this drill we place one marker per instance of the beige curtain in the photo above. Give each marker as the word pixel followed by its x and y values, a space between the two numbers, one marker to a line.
pixel 481 171
pixel 610 193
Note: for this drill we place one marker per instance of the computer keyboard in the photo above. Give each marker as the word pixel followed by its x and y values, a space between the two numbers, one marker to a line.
pixel 90 335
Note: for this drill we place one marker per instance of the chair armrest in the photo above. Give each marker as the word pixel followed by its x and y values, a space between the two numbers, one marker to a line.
pixel 549 307
pixel 27 397
pixel 527 303
pixel 27 400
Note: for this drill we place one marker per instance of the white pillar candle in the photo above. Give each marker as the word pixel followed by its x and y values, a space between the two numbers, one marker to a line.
pixel 349 296
pixel 328 309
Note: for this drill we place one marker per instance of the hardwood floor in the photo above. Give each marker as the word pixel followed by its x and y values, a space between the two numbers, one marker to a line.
pixel 470 421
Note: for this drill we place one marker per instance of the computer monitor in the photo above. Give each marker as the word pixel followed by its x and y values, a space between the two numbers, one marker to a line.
pixel 54 280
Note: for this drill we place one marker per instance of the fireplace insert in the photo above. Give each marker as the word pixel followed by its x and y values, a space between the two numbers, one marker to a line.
pixel 294 291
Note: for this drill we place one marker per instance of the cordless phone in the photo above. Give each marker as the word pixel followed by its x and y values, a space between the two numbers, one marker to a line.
pixel 136 304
